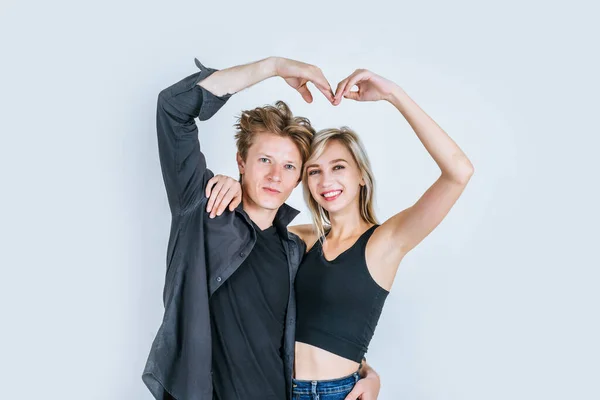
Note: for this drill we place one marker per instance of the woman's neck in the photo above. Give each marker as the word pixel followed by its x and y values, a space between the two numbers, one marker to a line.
pixel 346 224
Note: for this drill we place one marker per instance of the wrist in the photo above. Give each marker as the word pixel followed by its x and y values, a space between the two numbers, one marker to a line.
pixel 396 96
pixel 272 65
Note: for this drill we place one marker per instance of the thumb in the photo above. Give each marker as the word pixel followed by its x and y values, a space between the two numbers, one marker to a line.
pixel 354 394
pixel 306 95
pixel 352 96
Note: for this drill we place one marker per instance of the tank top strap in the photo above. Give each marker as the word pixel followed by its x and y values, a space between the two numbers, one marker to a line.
pixel 358 249
pixel 364 238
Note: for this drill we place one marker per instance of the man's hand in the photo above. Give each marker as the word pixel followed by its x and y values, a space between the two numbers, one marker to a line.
pixel 222 191
pixel 297 74
pixel 367 388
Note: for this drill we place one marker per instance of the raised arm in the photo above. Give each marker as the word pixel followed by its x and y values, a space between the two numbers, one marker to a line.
pixel 183 164
pixel 201 95
pixel 402 232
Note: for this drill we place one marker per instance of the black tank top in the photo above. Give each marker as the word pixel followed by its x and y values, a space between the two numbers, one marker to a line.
pixel 339 303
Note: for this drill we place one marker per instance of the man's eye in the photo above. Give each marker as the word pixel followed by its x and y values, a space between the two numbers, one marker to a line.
pixel 263 159
pixel 290 166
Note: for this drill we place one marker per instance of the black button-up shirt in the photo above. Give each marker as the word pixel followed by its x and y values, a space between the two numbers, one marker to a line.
pixel 202 252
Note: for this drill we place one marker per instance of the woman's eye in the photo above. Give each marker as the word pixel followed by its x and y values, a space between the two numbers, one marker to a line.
pixel 338 167
pixel 313 172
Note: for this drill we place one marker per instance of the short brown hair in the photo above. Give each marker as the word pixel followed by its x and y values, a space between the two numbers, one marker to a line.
pixel 277 119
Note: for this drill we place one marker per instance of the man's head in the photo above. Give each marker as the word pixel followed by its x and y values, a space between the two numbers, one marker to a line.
pixel 272 146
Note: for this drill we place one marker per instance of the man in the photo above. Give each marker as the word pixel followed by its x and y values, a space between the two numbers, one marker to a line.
pixel 228 326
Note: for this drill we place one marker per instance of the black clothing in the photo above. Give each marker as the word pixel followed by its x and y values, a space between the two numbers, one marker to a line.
pixel 339 303
pixel 203 252
pixel 248 321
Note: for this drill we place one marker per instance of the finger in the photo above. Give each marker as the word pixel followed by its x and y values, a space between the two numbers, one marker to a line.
pixel 237 199
pixel 225 202
pixel 218 201
pixel 346 85
pixel 306 95
pixel 352 95
pixel 322 84
pixel 327 92
pixel 355 393
pixel 338 92
pixel 354 80
pixel 213 196
pixel 210 184
pixel 343 85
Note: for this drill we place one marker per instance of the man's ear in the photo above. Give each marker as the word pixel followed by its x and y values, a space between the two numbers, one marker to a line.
pixel 241 163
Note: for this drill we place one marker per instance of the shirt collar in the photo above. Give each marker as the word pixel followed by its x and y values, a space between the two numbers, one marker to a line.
pixel 285 214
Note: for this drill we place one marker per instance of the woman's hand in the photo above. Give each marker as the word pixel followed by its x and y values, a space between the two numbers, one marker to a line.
pixel 222 191
pixel 371 87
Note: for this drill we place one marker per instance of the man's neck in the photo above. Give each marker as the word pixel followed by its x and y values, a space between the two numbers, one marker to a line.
pixel 262 217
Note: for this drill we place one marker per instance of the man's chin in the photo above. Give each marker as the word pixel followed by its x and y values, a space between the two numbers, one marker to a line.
pixel 270 205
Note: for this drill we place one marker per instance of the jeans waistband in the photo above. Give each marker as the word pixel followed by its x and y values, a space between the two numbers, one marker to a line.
pixel 325 386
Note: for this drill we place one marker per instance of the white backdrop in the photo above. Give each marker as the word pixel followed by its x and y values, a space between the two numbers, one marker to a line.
pixel 500 302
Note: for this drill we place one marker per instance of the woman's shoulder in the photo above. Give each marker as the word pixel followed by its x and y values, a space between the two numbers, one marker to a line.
pixel 306 232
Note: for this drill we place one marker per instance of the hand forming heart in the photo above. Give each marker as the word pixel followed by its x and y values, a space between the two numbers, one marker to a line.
pixel 371 87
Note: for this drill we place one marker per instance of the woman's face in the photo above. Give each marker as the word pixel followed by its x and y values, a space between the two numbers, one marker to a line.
pixel 334 179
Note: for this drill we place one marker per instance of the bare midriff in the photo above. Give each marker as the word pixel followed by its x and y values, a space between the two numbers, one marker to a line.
pixel 314 364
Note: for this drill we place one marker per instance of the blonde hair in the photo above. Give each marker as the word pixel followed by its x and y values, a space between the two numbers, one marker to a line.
pixel 277 119
pixel 350 139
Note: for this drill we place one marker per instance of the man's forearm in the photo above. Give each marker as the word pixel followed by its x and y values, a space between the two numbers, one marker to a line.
pixel 234 79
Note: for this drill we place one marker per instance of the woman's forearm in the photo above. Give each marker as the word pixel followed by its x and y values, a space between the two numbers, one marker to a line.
pixel 447 155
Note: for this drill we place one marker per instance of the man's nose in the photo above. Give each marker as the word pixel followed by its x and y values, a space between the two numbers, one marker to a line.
pixel 274 174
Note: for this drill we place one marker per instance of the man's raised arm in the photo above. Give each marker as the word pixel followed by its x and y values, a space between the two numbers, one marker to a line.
pixel 201 95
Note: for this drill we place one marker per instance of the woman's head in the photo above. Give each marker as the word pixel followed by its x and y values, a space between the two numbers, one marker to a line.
pixel 336 176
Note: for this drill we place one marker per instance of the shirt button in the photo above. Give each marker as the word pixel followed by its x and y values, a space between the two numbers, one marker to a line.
pixel 218 279
pixel 242 254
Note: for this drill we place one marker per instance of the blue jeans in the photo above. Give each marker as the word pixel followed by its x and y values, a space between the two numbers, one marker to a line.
pixel 335 389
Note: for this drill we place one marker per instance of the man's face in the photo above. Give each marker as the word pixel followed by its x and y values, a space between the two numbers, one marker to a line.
pixel 271 170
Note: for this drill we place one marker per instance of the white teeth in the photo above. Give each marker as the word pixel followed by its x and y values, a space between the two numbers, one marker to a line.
pixel 332 194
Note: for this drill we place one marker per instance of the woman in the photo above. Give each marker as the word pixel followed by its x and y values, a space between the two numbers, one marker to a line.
pixel 351 260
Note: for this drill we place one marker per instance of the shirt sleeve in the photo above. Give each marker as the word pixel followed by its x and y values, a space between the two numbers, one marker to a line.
pixel 182 162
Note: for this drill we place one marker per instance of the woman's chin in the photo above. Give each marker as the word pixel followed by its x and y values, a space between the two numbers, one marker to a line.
pixel 332 207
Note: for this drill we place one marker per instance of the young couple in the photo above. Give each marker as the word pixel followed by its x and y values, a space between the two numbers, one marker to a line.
pixel 257 310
